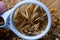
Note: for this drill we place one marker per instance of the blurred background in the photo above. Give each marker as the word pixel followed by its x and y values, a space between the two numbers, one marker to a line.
pixel 53 34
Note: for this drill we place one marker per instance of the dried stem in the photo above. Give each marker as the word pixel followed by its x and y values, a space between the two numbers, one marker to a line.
pixel 35 9
pixel 29 6
pixel 34 15
pixel 27 14
pixel 35 27
pixel 24 15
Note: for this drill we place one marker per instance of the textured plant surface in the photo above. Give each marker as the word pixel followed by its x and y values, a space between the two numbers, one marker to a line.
pixel 30 19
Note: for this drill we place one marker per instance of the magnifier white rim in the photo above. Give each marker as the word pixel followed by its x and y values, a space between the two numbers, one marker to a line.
pixel 12 27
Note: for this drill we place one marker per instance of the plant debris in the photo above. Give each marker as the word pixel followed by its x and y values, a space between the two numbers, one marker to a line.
pixel 30 24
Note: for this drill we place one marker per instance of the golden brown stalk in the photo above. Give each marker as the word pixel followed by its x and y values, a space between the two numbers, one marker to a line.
pixel 35 27
pixel 25 27
pixel 27 14
pixel 36 7
pixel 29 6
pixel 31 22
pixel 34 15
pixel 24 15
pixel 22 24
pixel 40 18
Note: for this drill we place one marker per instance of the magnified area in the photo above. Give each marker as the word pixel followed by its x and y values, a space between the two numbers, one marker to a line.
pixel 30 19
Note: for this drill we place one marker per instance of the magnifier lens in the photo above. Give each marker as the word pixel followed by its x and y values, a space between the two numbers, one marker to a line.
pixel 30 19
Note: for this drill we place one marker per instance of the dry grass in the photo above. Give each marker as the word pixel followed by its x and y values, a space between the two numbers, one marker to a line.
pixel 33 20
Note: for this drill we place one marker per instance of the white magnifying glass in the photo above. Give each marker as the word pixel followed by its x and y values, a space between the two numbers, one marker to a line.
pixel 9 24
